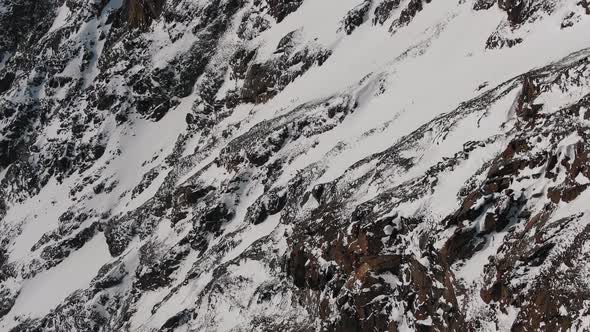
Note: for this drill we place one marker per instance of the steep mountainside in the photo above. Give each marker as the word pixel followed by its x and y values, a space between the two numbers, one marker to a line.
pixel 294 165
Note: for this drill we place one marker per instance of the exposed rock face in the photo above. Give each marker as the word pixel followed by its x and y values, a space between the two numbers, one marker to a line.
pixel 356 16
pixel 290 165
pixel 140 13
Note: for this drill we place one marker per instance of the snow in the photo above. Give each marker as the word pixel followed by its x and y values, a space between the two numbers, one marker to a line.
pixel 580 204
pixel 139 144
pixel 36 216
pixel 230 316
pixel 571 139
pixel 62 15
pixel 418 87
pixel 472 269
pixel 401 81
pixel 442 202
pixel 49 288
pixel 507 318
pixel 581 179
pixel 184 298
pixel 163 50
pixel 311 18
pixel 253 233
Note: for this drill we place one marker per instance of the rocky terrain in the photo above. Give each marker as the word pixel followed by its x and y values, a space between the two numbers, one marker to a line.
pixel 294 165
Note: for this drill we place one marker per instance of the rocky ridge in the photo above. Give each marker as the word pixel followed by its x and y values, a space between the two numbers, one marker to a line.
pixel 357 165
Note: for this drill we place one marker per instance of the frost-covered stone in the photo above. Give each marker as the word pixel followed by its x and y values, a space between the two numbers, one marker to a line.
pixel 283 165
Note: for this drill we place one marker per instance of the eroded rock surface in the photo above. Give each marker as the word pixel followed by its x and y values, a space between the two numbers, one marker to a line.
pixel 307 165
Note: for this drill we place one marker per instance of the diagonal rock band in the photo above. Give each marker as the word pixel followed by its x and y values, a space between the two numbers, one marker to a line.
pixel 291 165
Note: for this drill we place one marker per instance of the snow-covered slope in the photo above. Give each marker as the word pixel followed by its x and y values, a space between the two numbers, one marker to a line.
pixel 294 165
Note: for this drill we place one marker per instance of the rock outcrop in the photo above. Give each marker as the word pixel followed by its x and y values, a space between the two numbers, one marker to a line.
pixel 290 165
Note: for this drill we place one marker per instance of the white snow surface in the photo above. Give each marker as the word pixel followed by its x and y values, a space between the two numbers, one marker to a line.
pixel 424 70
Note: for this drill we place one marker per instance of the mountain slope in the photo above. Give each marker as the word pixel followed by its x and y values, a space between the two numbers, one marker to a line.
pixel 335 165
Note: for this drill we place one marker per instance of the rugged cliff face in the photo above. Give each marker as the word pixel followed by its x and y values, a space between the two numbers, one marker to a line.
pixel 294 165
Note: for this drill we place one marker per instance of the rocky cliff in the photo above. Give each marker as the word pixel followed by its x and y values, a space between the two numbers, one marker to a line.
pixel 294 165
